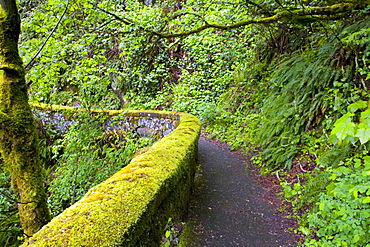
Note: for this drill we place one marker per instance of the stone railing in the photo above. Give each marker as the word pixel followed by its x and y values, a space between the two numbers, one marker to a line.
pixel 131 208
pixel 61 117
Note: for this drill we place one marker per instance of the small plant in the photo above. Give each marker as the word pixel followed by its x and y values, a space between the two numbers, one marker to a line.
pixel 171 237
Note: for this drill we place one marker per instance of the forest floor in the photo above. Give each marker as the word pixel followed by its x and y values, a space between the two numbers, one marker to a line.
pixel 233 205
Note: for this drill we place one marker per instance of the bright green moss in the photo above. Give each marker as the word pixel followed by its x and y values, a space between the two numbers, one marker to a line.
pixel 135 114
pixel 18 133
pixel 131 207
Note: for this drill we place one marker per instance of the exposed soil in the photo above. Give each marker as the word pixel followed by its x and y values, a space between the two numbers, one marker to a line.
pixel 233 205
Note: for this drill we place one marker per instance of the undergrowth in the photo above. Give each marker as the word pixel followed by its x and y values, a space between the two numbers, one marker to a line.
pixel 84 157
pixel 10 230
pixel 90 154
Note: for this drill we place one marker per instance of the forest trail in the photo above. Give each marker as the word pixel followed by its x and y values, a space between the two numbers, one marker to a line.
pixel 225 208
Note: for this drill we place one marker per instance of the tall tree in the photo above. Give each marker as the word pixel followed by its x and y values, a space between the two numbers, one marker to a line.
pixel 18 132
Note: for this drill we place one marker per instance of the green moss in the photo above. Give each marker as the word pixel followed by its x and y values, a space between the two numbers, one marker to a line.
pixel 135 114
pixel 18 133
pixel 131 208
pixel 188 235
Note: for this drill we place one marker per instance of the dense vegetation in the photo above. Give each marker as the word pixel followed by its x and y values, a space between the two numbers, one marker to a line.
pixel 83 157
pixel 295 89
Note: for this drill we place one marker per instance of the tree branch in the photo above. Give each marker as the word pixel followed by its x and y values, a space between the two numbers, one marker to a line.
pixel 29 64
pixel 9 197
pixel 121 19
pixel 278 3
pixel 318 13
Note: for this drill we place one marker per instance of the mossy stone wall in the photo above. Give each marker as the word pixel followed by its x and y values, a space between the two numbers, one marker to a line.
pixel 131 208
pixel 61 117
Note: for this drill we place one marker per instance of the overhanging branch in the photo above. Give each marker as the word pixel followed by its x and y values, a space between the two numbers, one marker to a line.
pixel 29 64
pixel 316 13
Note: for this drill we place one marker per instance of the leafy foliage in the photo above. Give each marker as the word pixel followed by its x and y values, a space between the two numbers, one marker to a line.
pixel 10 230
pixel 296 104
pixel 334 201
pixel 72 63
pixel 347 131
pixel 281 87
pixel 89 156
pixel 341 216
pixel 298 99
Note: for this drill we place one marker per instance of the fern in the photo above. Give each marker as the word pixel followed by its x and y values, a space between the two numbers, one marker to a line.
pixel 299 87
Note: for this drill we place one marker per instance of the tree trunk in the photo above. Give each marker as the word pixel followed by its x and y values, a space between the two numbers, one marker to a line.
pixel 18 132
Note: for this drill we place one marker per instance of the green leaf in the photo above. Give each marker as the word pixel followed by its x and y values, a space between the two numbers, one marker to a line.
pixel 365 214
pixel 366 173
pixel 322 206
pixel 344 127
pixel 357 105
pixel 363 135
pixel 357 163
pixel 304 230
pixel 342 170
pixel 355 193
pixel 365 114
pixel 366 160
pixel 356 238
pixel 366 199
pixel 168 234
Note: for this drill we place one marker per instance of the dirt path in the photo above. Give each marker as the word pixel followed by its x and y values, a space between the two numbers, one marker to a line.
pixel 226 209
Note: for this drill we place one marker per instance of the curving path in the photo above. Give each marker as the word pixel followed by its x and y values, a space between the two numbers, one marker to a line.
pixel 225 209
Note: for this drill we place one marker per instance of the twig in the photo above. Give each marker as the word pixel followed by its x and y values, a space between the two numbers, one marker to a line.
pixel 122 19
pixel 29 64
pixel 15 201
pixel 303 170
pixel 277 176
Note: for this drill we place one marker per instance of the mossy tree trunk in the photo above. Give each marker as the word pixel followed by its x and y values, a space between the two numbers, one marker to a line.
pixel 18 132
